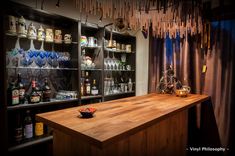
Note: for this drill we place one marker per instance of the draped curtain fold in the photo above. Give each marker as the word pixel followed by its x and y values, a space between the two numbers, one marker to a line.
pixel 188 59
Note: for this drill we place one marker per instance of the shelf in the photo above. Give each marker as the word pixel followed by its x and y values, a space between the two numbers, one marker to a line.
pixel 91 47
pixel 38 68
pixel 119 93
pixel 16 36
pixel 91 97
pixel 52 102
pixel 31 142
pixel 118 51
pixel 92 69
pixel 119 70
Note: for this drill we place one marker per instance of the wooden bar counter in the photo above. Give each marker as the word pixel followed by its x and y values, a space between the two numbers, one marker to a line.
pixel 149 125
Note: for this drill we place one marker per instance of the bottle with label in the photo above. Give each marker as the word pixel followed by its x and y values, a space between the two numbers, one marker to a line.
pixel 38 90
pixel 94 89
pixel 18 131
pixel 28 126
pixel 83 84
pixel 21 88
pixel 46 92
pixel 34 96
pixel 13 94
pixel 130 85
pixel 39 128
pixel 87 85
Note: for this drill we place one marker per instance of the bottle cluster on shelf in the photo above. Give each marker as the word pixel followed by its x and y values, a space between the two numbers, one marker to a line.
pixel 17 94
pixel 17 27
pixel 88 88
pixel 26 127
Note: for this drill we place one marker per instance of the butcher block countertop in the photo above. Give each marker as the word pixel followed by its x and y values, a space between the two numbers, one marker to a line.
pixel 117 119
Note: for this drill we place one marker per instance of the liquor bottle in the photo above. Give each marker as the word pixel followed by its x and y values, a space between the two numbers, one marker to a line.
pixel 34 96
pixel 28 126
pixel 38 90
pixel 21 88
pixel 82 84
pixel 18 133
pixel 39 128
pixel 82 87
pixel 46 92
pixel 87 85
pixel 94 90
pixel 13 94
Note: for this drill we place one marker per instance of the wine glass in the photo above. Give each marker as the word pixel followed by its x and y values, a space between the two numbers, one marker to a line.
pixel 41 59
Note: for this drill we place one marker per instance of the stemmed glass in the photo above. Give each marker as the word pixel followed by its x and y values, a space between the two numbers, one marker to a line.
pixel 107 61
pixel 32 53
pixel 40 59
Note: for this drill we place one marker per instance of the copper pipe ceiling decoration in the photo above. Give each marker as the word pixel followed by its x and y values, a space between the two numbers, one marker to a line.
pixel 165 15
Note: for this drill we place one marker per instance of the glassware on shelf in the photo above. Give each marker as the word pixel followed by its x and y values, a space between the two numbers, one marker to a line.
pixel 64 94
pixel 130 85
pixel 14 55
pixel 53 60
pixel 83 41
pixel 41 59
pixel 108 62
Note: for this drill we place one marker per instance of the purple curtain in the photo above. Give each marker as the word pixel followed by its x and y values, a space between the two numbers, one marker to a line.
pixel 218 81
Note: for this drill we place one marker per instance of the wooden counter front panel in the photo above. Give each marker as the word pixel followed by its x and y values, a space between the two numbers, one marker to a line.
pixel 167 137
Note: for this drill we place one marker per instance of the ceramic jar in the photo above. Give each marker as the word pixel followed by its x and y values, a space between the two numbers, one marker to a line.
pixel 32 32
pixel 123 47
pixel 12 25
pixel 21 27
pixel 128 48
pixel 58 36
pixel 114 44
pixel 41 34
pixel 49 35
pixel 118 47
pixel 92 42
pixel 67 38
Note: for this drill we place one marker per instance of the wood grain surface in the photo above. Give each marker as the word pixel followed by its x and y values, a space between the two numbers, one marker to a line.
pixel 118 119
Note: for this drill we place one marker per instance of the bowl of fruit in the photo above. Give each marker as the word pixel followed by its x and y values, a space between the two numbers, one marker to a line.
pixel 87 112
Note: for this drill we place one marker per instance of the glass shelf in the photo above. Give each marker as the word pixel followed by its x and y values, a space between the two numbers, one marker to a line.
pixel 31 142
pixel 91 69
pixel 91 97
pixel 52 102
pixel 118 51
pixel 38 68
pixel 120 70
pixel 91 47
pixel 122 93
pixel 15 35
